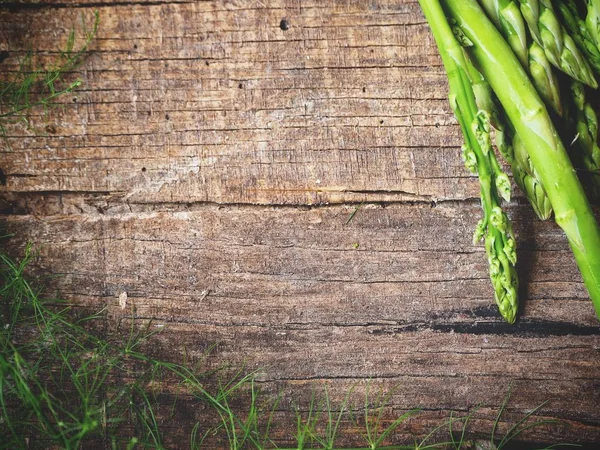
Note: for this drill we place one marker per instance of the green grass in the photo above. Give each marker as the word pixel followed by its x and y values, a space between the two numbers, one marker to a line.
pixel 63 384
pixel 36 85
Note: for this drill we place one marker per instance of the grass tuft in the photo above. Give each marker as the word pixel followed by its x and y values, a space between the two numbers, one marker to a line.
pixel 34 85
pixel 60 383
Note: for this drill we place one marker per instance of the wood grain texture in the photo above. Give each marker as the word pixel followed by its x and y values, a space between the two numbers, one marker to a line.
pixel 194 102
pixel 209 166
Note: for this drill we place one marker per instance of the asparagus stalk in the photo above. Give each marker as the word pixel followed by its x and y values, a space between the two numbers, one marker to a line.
pixel 585 40
pixel 477 153
pixel 543 78
pixel 592 20
pixel 527 179
pixel 558 45
pixel 511 147
pixel 581 122
pixel 488 113
pixel 584 149
pixel 524 174
pixel 532 123
pixel 509 20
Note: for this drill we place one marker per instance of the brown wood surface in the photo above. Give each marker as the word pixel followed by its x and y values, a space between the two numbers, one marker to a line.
pixel 208 167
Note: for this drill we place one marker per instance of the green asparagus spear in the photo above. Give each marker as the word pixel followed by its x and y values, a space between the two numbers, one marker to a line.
pixel 582 145
pixel 592 20
pixel 543 78
pixel 474 123
pixel 513 150
pixel 509 20
pixel 586 42
pixel 527 179
pixel 531 120
pixel 580 118
pixel 558 45
pixel 511 147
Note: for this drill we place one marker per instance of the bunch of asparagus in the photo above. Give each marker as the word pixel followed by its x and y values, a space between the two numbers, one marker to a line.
pixel 518 70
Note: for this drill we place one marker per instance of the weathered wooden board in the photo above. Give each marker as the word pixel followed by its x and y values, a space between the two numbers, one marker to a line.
pixel 284 289
pixel 208 167
pixel 203 102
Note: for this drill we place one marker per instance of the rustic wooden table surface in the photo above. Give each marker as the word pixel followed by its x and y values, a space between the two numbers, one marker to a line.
pixel 210 165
